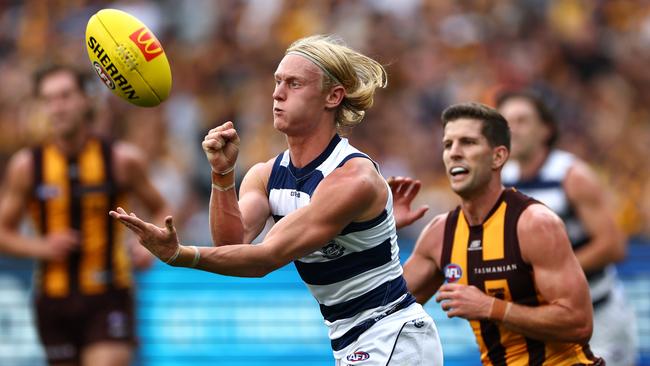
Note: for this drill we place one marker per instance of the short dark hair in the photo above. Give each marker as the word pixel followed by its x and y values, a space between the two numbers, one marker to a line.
pixel 49 69
pixel 495 127
pixel 543 111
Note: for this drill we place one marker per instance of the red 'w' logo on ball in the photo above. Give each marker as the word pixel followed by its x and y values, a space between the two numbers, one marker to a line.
pixel 147 43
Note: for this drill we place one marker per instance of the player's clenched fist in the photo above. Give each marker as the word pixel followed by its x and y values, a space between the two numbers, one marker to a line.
pixel 221 146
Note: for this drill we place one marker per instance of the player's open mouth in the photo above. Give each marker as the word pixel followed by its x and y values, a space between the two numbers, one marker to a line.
pixel 458 170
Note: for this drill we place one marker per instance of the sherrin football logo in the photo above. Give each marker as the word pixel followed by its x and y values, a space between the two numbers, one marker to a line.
pixel 147 43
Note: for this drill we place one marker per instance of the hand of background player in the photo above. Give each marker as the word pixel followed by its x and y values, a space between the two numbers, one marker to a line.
pixel 404 190
pixel 221 146
pixel 59 245
pixel 161 242
pixel 141 258
pixel 467 302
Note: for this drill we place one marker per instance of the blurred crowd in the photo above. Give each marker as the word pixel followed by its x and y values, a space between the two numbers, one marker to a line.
pixel 587 58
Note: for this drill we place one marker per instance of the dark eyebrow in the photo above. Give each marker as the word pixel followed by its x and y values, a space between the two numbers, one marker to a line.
pixel 468 138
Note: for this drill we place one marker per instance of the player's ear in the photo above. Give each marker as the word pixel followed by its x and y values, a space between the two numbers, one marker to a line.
pixel 334 96
pixel 500 155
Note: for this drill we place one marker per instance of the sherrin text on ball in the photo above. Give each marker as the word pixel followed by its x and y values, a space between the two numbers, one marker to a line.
pixel 128 58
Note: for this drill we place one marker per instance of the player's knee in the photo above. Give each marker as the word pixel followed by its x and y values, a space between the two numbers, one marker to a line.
pixel 107 354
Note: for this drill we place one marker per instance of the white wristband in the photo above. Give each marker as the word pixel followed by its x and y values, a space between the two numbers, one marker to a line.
pixel 197 257
pixel 226 171
pixel 223 189
pixel 171 259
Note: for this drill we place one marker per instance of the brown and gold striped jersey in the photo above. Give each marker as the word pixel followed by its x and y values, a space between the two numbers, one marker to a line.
pixel 488 256
pixel 76 193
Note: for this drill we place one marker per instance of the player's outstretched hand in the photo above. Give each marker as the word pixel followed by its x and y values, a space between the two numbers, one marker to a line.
pixel 404 190
pixel 161 242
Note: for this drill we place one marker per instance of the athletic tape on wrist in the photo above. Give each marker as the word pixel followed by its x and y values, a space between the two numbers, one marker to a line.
pixel 499 309
pixel 171 259
pixel 221 188
pixel 225 172
pixel 197 257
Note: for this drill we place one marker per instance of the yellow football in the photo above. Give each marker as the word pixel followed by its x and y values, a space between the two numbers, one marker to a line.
pixel 128 58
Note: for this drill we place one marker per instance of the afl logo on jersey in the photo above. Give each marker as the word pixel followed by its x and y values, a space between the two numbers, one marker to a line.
pixel 453 273
pixel 358 356
pixel 332 250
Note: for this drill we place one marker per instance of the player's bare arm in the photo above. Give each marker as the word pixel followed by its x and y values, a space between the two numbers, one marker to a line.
pixel 422 270
pixel 354 192
pixel 568 314
pixel 14 198
pixel 591 202
pixel 231 220
pixel 253 200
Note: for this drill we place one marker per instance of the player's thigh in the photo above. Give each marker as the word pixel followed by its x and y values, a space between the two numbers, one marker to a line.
pixel 417 344
pixel 107 354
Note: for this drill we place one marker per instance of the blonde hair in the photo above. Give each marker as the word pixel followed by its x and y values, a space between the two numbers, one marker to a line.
pixel 358 74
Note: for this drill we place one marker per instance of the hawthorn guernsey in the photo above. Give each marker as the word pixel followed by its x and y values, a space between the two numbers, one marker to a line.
pixel 128 58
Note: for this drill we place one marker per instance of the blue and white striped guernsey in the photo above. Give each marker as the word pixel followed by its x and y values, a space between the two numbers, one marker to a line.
pixel 356 277
pixel 547 187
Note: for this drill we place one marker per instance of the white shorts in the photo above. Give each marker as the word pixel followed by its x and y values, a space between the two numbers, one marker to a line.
pixel 408 337
pixel 614 337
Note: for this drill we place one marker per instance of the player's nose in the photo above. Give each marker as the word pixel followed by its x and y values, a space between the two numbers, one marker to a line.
pixel 279 91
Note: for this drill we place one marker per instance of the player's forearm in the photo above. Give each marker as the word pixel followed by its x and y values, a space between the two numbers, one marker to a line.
pixel 14 244
pixel 226 225
pixel 552 322
pixel 238 260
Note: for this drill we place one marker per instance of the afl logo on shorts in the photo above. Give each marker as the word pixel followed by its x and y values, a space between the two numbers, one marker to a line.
pixel 453 273
pixel 358 356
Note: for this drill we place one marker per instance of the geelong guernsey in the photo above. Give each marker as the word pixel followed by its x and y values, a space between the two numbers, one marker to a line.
pixel 547 188
pixel 356 277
